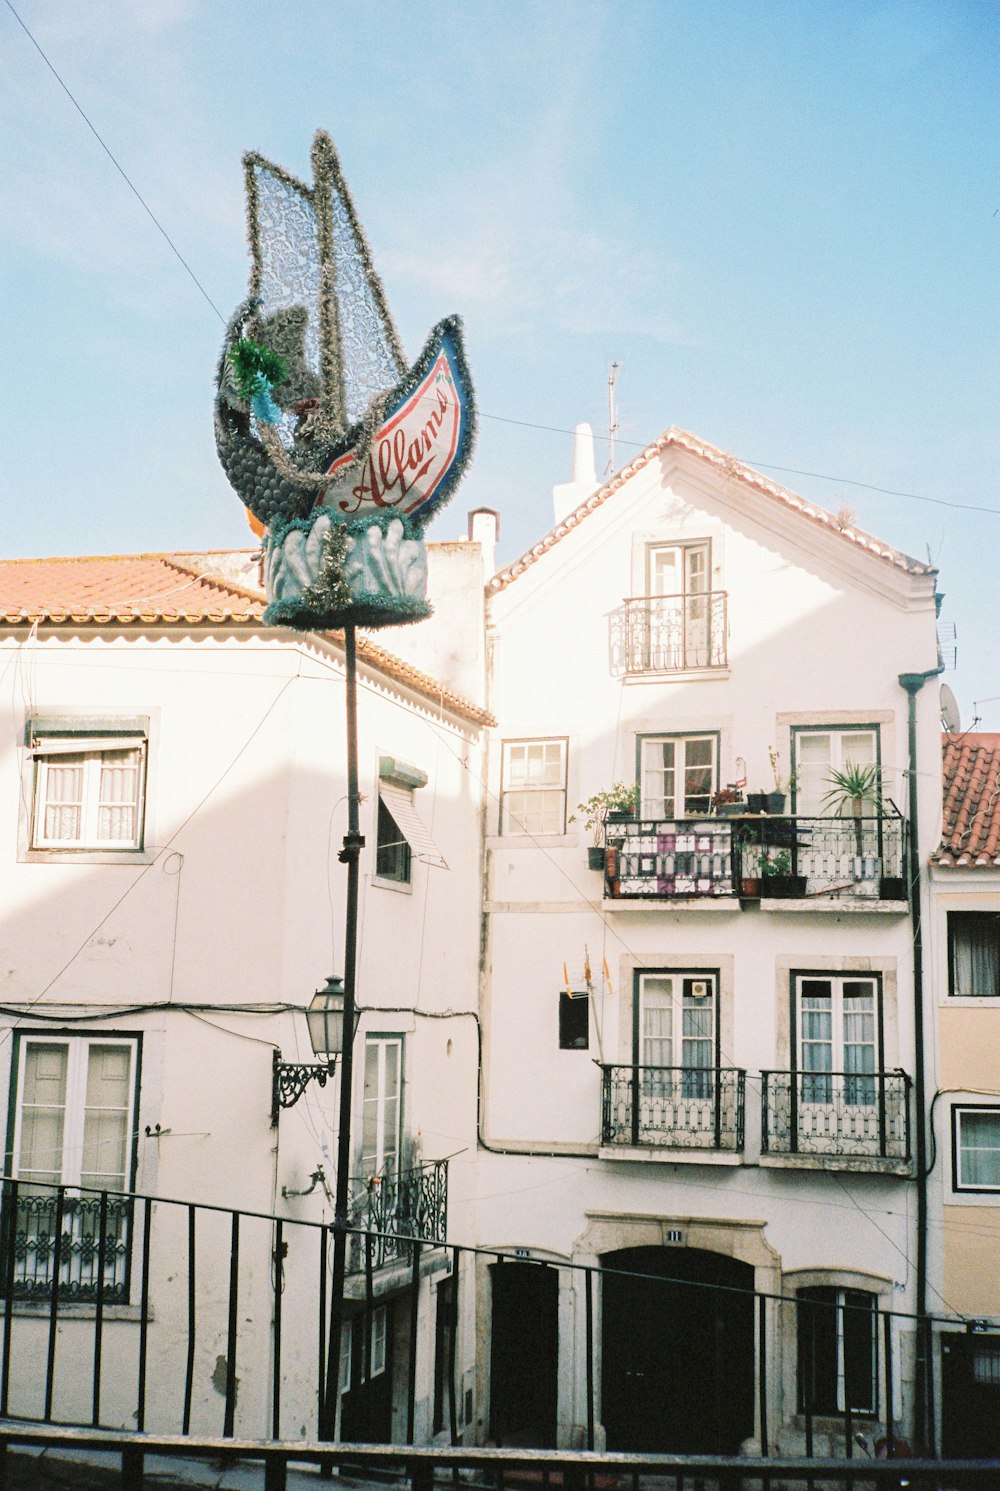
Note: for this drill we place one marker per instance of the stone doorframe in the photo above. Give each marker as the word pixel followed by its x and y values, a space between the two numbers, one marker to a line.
pixel 611 1231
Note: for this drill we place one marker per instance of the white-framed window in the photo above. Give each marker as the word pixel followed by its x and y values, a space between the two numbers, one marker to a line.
pixel 89 786
pixel 678 775
pixel 74 1115
pixel 838 1019
pixel 382 1107
pixel 975 1141
pixel 675 1026
pixel 837 1350
pixel 974 954
pixel 533 787
pixel 820 751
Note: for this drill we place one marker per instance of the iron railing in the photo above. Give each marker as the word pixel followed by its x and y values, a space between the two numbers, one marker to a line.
pixel 852 859
pixel 670 633
pixel 672 1107
pixel 81 1240
pixel 850 1115
pixel 398 1207
pixel 226 1300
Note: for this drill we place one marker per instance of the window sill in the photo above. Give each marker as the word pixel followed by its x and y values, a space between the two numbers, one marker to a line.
pixel 405 886
pixel 76 1310
pixel 125 857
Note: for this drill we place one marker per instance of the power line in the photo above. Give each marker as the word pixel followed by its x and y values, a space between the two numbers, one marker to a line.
pixel 117 165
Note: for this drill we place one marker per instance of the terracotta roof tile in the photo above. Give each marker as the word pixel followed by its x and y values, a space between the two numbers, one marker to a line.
pixel 729 466
pixel 174 590
pixel 971 828
pixel 119 588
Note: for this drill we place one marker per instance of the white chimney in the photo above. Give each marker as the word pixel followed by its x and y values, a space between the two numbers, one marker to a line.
pixel 570 494
pixel 484 530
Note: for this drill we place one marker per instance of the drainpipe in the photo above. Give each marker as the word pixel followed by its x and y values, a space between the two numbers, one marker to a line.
pixel 924 1425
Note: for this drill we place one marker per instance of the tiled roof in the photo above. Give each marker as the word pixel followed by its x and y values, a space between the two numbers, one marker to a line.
pixel 121 589
pixel 135 590
pixel 720 460
pixel 971 828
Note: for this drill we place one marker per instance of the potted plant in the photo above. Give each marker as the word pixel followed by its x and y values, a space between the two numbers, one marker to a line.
pixel 620 798
pixel 778 880
pixel 852 790
pixel 728 802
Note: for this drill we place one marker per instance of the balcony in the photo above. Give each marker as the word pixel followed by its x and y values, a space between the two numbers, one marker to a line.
pixel 670 633
pixel 60 1236
pixel 399 1207
pixel 831 1116
pixel 690 1108
pixel 860 861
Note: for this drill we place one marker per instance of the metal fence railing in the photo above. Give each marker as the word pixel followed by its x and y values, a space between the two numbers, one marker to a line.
pixel 852 1114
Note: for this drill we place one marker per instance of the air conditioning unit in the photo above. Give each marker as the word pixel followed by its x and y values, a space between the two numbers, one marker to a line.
pixel 699 988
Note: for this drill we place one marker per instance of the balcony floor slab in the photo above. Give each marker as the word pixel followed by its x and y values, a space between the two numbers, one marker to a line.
pixel 856 1164
pixel 647 1154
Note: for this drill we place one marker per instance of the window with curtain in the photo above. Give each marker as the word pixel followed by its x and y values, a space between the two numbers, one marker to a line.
pixel 89 788
pixel 974 954
pixel 382 1107
pixel 976 1148
pixel 838 1039
pixel 679 775
pixel 676 1027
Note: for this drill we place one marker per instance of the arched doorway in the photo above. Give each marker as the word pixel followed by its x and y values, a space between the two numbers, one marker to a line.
pixel 677 1353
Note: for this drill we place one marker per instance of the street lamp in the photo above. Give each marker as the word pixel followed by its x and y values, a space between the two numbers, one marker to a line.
pixel 325 1023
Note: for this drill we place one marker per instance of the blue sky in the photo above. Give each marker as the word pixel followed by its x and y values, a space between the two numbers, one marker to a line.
pixel 782 219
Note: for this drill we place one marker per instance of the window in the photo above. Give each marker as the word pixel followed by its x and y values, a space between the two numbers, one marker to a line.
pixel 677 584
pixel 574 1021
pixel 678 775
pixel 74 1124
pixel 353 1339
pixel 838 1022
pixel 674 1026
pixel 820 752
pixel 976 1148
pixel 382 1107
pixel 974 954
pixel 89 785
pixel 533 789
pixel 837 1350
pixel 392 853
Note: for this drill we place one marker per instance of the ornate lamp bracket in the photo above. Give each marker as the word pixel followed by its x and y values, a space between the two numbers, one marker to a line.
pixel 289 1080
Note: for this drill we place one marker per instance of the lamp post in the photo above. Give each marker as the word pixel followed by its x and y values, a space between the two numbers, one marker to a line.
pixel 325 1022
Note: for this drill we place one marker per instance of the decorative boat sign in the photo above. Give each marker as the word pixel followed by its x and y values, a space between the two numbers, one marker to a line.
pixel 414 449
pixel 339 451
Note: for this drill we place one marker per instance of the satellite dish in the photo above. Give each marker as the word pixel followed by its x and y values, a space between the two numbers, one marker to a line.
pixel 950 717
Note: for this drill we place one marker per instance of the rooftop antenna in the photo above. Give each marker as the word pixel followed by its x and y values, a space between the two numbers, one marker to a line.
pixel 612 415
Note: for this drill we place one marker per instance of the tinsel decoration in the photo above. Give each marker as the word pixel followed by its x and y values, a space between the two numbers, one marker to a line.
pixel 320 425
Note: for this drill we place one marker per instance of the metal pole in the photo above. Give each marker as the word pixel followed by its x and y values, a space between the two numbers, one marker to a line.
pixel 349 855
pixel 924 1433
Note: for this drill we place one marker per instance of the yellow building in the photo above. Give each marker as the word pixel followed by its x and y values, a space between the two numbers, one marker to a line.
pixel 965 948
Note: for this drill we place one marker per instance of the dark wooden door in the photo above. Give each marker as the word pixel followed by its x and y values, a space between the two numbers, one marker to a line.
pixel 524 1354
pixel 677 1351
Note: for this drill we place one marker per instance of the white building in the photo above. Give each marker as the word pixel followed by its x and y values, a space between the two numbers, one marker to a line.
pixel 172 803
pixel 698 1064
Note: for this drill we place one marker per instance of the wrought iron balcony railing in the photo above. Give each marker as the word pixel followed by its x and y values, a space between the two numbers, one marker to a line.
pixel 59 1235
pixel 399 1207
pixel 670 633
pixel 855 859
pixel 847 1115
pixel 672 1107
